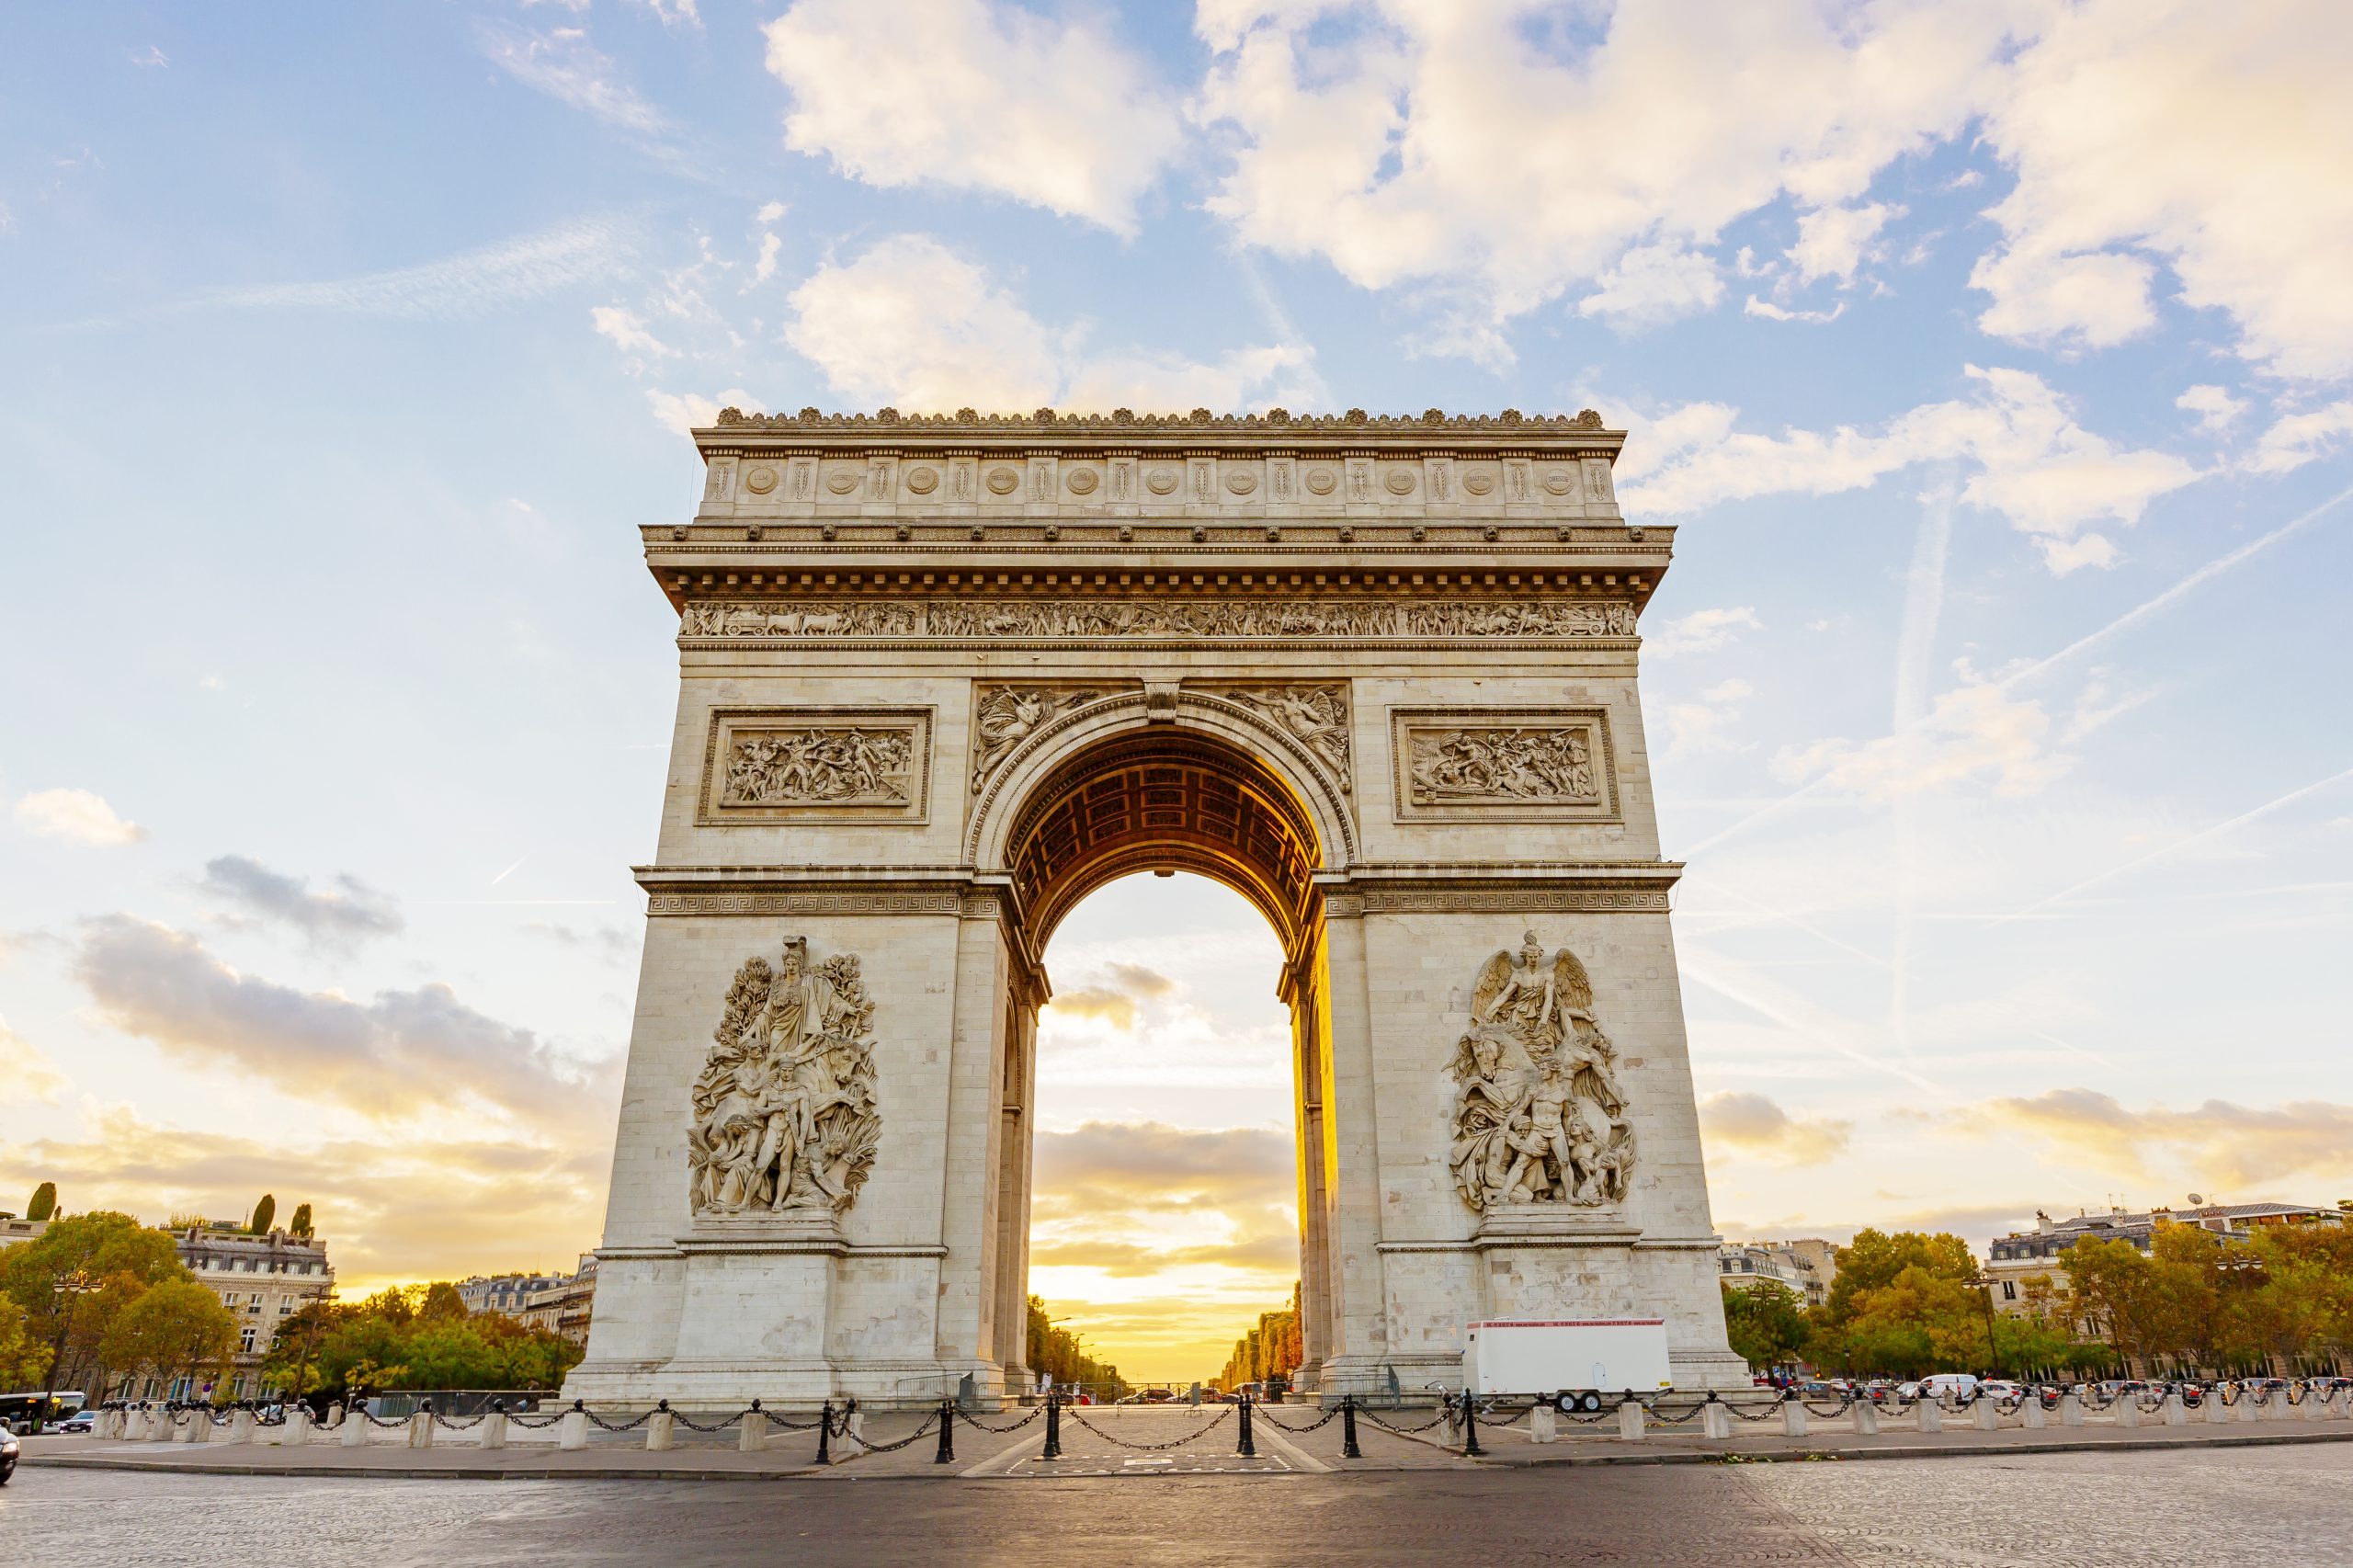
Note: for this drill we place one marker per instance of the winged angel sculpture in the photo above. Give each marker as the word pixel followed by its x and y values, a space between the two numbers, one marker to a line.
pixel 784 1116
pixel 1539 1117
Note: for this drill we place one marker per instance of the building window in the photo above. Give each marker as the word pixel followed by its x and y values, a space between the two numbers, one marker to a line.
pixel 245 1342
pixel 2010 1290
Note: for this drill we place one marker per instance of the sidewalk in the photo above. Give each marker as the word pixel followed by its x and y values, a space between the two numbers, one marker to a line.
pixel 1290 1439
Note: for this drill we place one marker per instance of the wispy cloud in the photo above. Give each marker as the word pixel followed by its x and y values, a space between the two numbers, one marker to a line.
pixel 564 66
pixel 77 816
pixel 343 914
pixel 515 271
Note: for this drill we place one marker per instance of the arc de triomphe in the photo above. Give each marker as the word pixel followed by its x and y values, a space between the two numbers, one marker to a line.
pixel 942 677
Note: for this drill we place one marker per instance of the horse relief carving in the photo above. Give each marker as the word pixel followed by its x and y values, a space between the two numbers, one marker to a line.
pixel 1539 1114
pixel 1545 767
pixel 849 766
pixel 784 1116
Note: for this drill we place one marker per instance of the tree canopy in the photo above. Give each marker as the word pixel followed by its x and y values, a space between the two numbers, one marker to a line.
pixel 265 1215
pixel 416 1336
pixel 43 1202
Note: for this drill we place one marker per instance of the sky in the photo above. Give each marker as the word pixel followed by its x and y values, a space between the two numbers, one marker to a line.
pixel 1995 359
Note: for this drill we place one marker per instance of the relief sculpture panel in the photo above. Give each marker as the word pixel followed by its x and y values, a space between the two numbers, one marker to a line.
pixel 1314 715
pixel 1540 764
pixel 817 765
pixel 784 1118
pixel 1005 716
pixel 1539 1116
pixel 1187 619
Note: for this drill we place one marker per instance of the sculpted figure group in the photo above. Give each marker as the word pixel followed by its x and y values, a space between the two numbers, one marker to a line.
pixel 1503 765
pixel 1540 1116
pixel 784 1113
pixel 847 767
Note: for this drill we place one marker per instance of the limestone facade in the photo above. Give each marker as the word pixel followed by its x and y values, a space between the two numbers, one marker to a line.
pixel 940 678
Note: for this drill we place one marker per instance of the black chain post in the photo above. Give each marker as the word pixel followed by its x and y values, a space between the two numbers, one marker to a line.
pixel 825 1432
pixel 1246 1448
pixel 1053 1426
pixel 1471 1449
pixel 1348 1450
pixel 947 1454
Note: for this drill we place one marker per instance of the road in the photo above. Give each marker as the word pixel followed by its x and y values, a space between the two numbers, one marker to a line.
pixel 2270 1506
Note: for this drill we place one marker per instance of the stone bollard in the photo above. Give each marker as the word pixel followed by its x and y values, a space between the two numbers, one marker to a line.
pixel 1629 1420
pixel 1543 1423
pixel 2175 1414
pixel 2127 1408
pixel 420 1428
pixel 1794 1419
pixel 1928 1415
pixel 493 1434
pixel 354 1427
pixel 752 1432
pixel 243 1429
pixel 854 1425
pixel 1866 1416
pixel 2250 1404
pixel 2070 1407
pixel 2275 1406
pixel 134 1423
pixel 2032 1413
pixel 658 1430
pixel 571 1432
pixel 2212 1408
pixel 1986 1413
pixel 200 1425
pixel 163 1427
pixel 296 1432
pixel 1715 1420
pixel 2316 1405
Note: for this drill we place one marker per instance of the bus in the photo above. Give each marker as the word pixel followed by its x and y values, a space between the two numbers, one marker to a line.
pixel 27 1414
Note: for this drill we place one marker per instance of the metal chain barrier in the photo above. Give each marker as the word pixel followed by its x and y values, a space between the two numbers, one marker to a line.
pixel 453 1424
pixel 970 1420
pixel 373 1419
pixel 928 1422
pixel 1488 1417
pixel 1595 1419
pixel 1765 1414
pixel 1835 1410
pixel 1260 1413
pixel 1657 1414
pixel 1214 1423
pixel 538 1424
pixel 724 1422
pixel 1403 1431
pixel 602 1425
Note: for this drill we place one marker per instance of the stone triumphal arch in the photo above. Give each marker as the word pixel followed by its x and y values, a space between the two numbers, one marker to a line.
pixel 942 677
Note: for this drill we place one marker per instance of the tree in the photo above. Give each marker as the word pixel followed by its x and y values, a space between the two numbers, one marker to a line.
pixel 178 1329
pixel 43 1202
pixel 23 1357
pixel 265 1215
pixel 76 1276
pixel 441 1303
pixel 1766 1325
pixel 301 1224
pixel 1873 1260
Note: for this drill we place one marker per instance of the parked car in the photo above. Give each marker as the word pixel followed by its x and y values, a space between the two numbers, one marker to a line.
pixel 81 1424
pixel 8 1447
pixel 2000 1388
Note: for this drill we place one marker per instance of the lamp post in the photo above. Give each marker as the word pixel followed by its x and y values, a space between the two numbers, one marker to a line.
pixel 66 1295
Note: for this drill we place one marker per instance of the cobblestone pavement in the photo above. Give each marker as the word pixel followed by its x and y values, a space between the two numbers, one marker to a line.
pixel 2269 1506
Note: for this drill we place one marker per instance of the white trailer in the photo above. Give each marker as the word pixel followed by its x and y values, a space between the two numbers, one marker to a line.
pixel 1552 1356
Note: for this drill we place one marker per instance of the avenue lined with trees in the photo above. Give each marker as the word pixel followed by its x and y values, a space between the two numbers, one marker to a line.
pixel 1908 1303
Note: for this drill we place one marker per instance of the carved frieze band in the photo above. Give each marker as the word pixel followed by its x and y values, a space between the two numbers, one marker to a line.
pixel 749 901
pixel 765 764
pixel 1117 620
pixel 1493 764
pixel 1531 901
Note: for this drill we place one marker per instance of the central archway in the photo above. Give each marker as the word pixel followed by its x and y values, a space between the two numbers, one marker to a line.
pixel 1202 785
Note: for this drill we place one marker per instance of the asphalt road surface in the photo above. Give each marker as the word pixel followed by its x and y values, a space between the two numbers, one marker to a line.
pixel 2277 1507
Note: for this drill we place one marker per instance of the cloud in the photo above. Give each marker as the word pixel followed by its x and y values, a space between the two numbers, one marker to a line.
pixel 2028 459
pixel 564 66
pixel 390 1209
pixel 674 13
pixel 1754 1124
pixel 975 96
pixel 1145 1202
pixel 533 267
pixel 345 915
pixel 2217 1144
pixel 1116 1000
pixel 2216 409
pixel 1702 632
pixel 1772 312
pixel 76 815
pixel 1381 136
pixel 2296 439
pixel 2212 140
pixel 913 324
pixel 403 1055
pixel 31 1076
pixel 1973 729
pixel 627 330
pixel 1833 241
pixel 153 56
pixel 683 412
pixel 1696 727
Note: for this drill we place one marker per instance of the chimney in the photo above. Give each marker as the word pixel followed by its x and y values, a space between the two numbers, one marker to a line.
pixel 2042 1223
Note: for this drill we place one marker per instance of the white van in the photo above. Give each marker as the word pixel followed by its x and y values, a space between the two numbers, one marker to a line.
pixel 1946 1385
